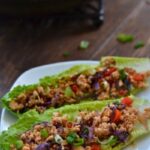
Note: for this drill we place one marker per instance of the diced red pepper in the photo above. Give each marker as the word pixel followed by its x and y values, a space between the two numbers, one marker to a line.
pixel 127 101
pixel 95 147
pixel 74 87
pixel 69 124
pixel 110 81
pixel 109 71
pixel 116 116
pixel 123 92
pixel 138 77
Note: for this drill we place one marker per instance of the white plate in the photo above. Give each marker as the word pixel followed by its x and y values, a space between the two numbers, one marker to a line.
pixel 32 76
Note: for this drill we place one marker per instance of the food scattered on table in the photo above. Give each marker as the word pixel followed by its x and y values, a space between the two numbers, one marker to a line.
pixel 139 44
pixel 84 44
pixel 125 38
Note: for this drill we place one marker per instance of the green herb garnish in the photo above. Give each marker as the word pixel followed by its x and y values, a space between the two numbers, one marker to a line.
pixel 71 138
pixel 44 133
pixel 125 38
pixel 112 140
pixel 139 44
pixel 86 131
pixel 117 103
pixel 123 75
pixel 79 142
pixel 84 44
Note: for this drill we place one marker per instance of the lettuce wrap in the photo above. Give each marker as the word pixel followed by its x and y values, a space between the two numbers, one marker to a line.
pixel 13 99
pixel 31 118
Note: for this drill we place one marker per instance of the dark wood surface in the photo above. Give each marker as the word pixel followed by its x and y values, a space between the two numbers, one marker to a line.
pixel 26 45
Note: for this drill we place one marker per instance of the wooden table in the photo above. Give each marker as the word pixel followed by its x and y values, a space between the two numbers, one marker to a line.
pixel 26 46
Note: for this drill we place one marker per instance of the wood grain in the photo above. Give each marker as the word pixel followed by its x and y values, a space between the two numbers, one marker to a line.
pixel 137 24
pixel 24 45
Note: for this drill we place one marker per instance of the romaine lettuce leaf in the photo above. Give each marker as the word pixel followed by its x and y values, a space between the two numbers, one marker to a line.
pixel 140 64
pixel 28 119
pixel 52 80
pixel 45 81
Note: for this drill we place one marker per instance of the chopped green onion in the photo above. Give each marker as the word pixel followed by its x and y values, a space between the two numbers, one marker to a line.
pixel 84 44
pixel 79 142
pixel 139 44
pixel 69 92
pixel 71 138
pixel 19 144
pixel 112 140
pixel 58 139
pixel 117 103
pixel 85 131
pixel 123 75
pixel 125 38
pixel 66 54
pixel 44 133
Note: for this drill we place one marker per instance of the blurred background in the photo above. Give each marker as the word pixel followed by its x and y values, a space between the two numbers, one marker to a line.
pixel 38 32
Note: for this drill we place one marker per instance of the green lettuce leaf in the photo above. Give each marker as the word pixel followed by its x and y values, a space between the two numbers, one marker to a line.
pixel 14 93
pixel 138 133
pixel 45 81
pixel 28 119
pixel 52 80
pixel 140 64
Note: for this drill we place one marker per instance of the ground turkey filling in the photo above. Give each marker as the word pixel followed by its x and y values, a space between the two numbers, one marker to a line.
pixel 111 126
pixel 107 82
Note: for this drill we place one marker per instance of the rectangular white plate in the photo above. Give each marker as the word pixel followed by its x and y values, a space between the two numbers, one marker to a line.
pixel 32 76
